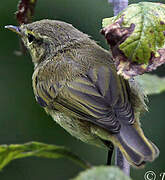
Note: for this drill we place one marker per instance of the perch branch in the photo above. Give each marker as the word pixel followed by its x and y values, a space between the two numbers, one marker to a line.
pixel 120 161
pixel 118 5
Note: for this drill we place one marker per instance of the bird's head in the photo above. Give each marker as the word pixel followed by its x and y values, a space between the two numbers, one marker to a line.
pixel 44 38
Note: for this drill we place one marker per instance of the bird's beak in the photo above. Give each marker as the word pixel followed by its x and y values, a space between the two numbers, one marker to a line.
pixel 15 29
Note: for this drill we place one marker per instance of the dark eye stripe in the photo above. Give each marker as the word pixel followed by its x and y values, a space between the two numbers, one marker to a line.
pixel 31 38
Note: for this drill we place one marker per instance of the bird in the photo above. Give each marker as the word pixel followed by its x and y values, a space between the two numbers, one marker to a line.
pixel 76 82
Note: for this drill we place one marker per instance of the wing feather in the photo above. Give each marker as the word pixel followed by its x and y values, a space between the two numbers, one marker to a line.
pixel 99 96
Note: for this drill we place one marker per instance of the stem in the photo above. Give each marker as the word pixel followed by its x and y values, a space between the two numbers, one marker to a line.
pixel 118 5
pixel 121 162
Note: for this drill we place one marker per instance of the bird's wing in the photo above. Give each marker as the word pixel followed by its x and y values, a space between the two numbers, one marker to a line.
pixel 98 96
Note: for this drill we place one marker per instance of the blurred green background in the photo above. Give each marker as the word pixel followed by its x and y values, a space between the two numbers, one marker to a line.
pixel 23 120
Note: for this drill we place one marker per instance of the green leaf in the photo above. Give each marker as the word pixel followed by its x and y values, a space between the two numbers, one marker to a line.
pixel 147 36
pixel 37 149
pixel 102 173
pixel 137 38
pixel 152 84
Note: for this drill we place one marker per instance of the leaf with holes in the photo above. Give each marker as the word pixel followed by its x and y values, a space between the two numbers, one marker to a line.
pixel 137 38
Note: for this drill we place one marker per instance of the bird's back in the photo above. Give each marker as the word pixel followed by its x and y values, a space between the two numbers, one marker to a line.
pixel 81 83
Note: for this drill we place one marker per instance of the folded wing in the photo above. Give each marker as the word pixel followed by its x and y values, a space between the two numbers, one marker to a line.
pixel 99 96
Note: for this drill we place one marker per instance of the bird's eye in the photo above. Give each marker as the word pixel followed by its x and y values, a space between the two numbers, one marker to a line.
pixel 31 38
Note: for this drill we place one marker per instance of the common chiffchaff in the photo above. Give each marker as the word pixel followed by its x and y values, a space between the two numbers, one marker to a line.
pixel 75 81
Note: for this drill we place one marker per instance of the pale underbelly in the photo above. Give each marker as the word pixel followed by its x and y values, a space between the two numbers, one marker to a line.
pixel 77 128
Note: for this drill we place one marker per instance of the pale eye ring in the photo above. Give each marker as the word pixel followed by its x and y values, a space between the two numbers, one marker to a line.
pixel 31 38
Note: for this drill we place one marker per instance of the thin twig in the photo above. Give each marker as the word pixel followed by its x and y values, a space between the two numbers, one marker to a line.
pixel 118 5
pixel 121 162
pixel 24 15
pixel 25 11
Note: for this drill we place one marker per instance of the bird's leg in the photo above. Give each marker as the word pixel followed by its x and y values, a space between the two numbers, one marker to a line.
pixel 110 147
pixel 109 158
pixel 121 162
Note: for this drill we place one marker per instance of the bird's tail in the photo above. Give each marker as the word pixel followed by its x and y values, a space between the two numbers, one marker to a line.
pixel 134 145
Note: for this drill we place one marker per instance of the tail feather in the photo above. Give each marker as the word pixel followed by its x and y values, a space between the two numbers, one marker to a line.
pixel 134 145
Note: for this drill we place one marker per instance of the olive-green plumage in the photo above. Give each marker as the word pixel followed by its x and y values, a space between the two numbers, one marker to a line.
pixel 76 82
